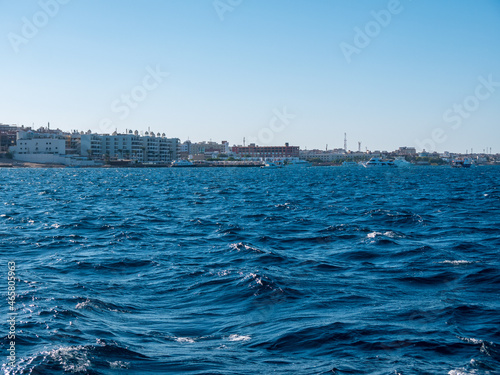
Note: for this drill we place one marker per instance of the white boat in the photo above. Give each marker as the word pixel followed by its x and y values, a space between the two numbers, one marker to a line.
pixel 181 163
pixel 461 163
pixel 272 165
pixel 377 162
pixel 297 163
pixel 400 161
pixel 350 164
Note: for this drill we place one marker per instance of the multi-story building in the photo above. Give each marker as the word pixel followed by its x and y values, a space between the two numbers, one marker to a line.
pixel 90 145
pixel 324 156
pixel 45 147
pixel 208 148
pixel 203 149
pixel 58 147
pixel 335 155
pixel 150 148
pixel 160 149
pixel 406 151
pixel 273 152
pixel 185 149
pixel 7 136
pixel 29 142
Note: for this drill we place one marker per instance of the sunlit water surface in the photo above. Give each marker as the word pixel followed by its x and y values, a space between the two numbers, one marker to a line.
pixel 250 271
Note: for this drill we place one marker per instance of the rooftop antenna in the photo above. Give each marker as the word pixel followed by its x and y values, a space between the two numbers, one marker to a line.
pixel 326 149
pixel 345 141
pixel 243 141
pixel 359 146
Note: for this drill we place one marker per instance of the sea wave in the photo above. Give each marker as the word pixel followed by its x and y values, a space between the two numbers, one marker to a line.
pixel 240 270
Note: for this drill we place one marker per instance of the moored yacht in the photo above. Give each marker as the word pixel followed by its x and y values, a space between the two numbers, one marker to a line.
pixel 297 163
pixel 272 164
pixel 400 161
pixel 379 162
pixel 461 163
pixel 181 163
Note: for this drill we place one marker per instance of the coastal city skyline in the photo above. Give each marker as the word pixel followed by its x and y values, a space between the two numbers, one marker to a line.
pixel 49 146
pixel 346 147
pixel 387 73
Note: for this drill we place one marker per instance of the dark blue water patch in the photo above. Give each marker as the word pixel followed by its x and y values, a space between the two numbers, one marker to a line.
pixel 325 267
pixel 410 253
pixel 487 277
pixel 467 247
pixel 430 279
pixel 231 271
pixel 311 338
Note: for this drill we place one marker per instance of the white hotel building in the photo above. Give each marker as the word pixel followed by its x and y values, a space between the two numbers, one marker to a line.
pixel 149 148
pixel 91 149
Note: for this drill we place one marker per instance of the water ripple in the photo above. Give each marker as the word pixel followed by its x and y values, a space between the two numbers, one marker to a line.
pixel 237 271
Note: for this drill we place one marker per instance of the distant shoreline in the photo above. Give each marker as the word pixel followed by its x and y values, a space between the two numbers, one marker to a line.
pixel 8 163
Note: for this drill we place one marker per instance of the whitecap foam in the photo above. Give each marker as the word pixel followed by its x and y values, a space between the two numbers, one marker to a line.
pixel 223 273
pixel 72 359
pixel 457 262
pixel 388 233
pixel 471 340
pixel 463 371
pixel 184 340
pixel 239 338
pixel 241 246
pixel 82 305
pixel 256 278
pixel 373 234
pixel 119 364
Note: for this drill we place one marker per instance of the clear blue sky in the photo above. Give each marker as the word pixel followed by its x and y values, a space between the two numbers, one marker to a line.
pixel 233 66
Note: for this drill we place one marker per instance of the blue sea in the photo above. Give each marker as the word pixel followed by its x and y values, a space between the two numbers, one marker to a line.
pixel 321 270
